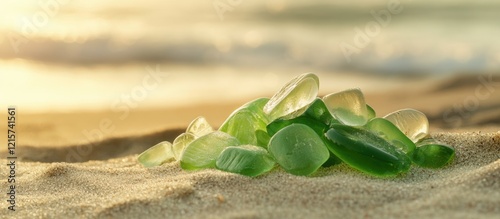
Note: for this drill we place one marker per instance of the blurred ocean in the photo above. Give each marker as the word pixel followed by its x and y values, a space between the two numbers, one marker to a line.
pixel 75 54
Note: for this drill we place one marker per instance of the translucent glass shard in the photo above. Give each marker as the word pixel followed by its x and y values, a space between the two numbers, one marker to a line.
pixel 432 154
pixel 318 111
pixel 366 151
pixel 180 144
pixel 348 107
pixel 298 149
pixel 391 133
pixel 247 160
pixel 199 127
pixel 156 155
pixel 245 121
pixel 412 123
pixel 202 152
pixel 293 97
pixel 371 112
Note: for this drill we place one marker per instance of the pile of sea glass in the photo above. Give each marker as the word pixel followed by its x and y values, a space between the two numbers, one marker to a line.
pixel 301 133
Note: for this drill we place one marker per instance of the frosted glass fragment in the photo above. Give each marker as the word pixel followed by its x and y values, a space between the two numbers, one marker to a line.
pixel 348 107
pixel 199 127
pixel 412 123
pixel 202 152
pixel 293 97
pixel 245 121
pixel 180 144
pixel 156 155
pixel 298 149
pixel 247 160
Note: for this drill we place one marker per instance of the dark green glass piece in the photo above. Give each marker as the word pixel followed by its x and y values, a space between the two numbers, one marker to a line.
pixel 432 154
pixel 279 124
pixel 318 111
pixel 385 129
pixel 366 151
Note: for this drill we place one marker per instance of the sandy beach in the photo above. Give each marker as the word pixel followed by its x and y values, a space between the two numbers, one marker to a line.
pixel 69 166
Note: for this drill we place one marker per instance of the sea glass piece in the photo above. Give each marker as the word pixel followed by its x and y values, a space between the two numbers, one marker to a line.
pixel 277 125
pixel 262 138
pixel 412 123
pixel 180 144
pixel 293 97
pixel 432 154
pixel 366 151
pixel 391 133
pixel 202 152
pixel 242 125
pixel 245 121
pixel 348 107
pixel 371 112
pixel 298 149
pixel 318 110
pixel 246 160
pixel 156 155
pixel 257 107
pixel 319 127
pixel 199 127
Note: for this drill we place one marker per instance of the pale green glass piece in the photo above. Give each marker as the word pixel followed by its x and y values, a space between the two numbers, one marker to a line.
pixel 391 133
pixel 245 121
pixel 156 155
pixel 180 144
pixel 199 127
pixel 298 149
pixel 371 112
pixel 411 122
pixel 348 107
pixel 243 125
pixel 293 98
pixel 257 107
pixel 246 160
pixel 202 152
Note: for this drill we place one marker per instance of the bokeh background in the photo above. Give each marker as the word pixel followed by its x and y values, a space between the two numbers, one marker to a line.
pixel 61 57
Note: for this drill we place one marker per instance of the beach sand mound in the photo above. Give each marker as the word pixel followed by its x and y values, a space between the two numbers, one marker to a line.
pixel 121 188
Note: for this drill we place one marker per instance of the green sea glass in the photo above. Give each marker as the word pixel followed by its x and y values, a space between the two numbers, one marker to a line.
pixel 156 155
pixel 246 160
pixel 302 132
pixel 318 111
pixel 279 124
pixel 412 123
pixel 245 121
pixel 348 107
pixel 391 133
pixel 371 112
pixel 432 154
pixel 298 149
pixel 366 151
pixel 293 97
pixel 199 127
pixel 319 127
pixel 180 144
pixel 202 152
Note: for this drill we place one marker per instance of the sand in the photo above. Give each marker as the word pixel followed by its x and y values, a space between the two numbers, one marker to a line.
pixel 104 180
